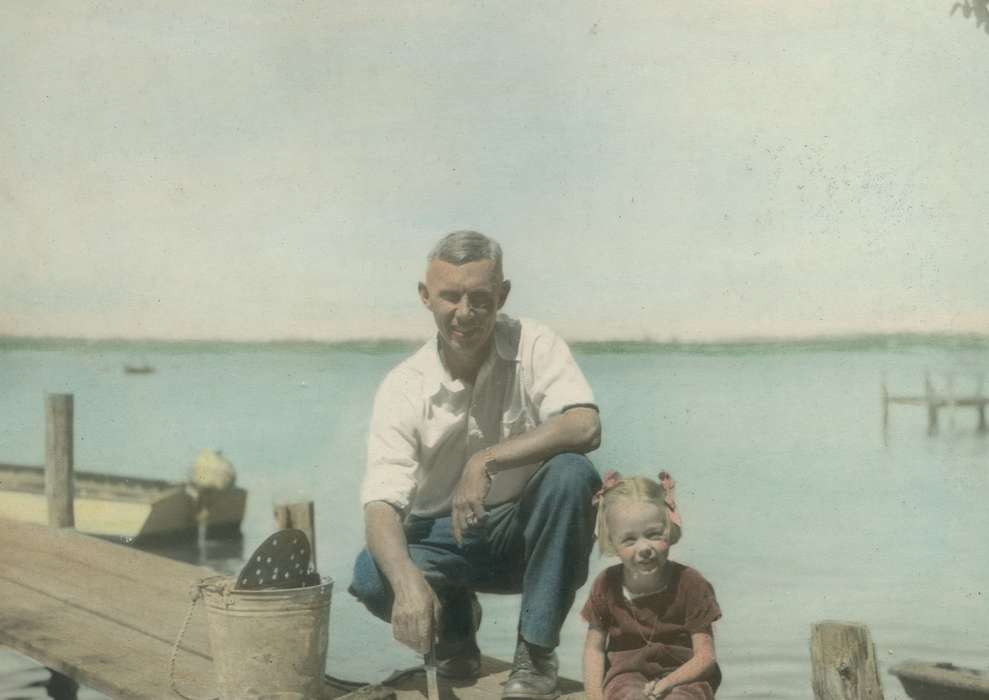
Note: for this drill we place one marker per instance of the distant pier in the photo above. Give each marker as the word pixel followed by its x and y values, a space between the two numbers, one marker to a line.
pixel 935 399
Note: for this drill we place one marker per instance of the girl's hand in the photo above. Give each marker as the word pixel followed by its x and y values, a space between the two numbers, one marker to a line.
pixel 655 690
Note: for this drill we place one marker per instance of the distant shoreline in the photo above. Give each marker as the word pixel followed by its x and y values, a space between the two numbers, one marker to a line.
pixel 859 341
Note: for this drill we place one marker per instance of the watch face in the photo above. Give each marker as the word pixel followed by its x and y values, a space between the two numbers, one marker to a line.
pixel 491 465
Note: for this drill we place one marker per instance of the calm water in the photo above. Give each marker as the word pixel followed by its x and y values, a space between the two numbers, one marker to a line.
pixel 793 506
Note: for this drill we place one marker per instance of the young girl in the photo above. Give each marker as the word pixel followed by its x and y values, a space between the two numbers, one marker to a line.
pixel 649 618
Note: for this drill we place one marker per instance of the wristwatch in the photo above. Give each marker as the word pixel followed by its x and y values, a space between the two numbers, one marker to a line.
pixel 491 466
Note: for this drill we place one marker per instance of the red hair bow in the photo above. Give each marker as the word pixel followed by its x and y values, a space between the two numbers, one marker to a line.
pixel 669 486
pixel 611 480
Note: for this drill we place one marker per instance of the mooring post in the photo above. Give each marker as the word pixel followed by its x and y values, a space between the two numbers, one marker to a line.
pixel 301 516
pixel 885 395
pixel 59 488
pixel 931 405
pixel 952 401
pixel 980 382
pixel 843 659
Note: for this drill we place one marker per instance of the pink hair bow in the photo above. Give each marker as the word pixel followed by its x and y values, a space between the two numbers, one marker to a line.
pixel 669 487
pixel 611 480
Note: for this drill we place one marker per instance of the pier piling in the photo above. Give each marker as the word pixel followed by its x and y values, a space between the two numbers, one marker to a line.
pixel 979 384
pixel 934 400
pixel 301 516
pixel 843 660
pixel 932 405
pixel 59 489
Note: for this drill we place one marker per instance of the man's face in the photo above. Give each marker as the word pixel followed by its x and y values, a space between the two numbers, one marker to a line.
pixel 464 300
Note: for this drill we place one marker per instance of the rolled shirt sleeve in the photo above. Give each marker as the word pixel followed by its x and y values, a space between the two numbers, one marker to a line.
pixel 392 451
pixel 557 382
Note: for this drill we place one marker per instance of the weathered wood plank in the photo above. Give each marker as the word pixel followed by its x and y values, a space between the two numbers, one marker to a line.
pixel 128 564
pixel 844 662
pixel 150 593
pixel 86 587
pixel 103 614
pixel 487 687
pixel 104 654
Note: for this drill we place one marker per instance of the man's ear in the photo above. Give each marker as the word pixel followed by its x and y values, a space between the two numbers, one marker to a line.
pixel 424 295
pixel 506 287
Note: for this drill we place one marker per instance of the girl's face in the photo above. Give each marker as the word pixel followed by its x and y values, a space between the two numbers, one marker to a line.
pixel 639 533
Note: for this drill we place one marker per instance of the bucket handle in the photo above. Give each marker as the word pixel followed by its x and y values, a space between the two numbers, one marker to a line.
pixel 197 593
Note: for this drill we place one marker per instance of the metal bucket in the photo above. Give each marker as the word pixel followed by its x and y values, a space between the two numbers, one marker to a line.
pixel 268 643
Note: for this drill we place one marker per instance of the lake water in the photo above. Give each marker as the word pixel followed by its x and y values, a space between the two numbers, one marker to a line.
pixel 794 508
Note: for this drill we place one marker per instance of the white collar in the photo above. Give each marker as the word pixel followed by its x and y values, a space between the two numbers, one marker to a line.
pixel 507 346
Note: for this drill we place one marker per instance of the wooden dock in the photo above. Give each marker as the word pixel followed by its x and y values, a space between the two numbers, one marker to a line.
pixel 938 398
pixel 107 616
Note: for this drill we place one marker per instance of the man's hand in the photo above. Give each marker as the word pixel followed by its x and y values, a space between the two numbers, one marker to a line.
pixel 468 497
pixel 416 612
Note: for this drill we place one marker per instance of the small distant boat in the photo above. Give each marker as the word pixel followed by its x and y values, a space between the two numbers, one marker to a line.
pixel 139 369
pixel 127 508
pixel 941 681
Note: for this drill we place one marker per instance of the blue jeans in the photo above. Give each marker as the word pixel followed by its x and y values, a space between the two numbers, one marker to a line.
pixel 538 546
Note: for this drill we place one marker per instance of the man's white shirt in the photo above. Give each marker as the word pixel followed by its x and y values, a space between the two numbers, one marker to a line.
pixel 426 425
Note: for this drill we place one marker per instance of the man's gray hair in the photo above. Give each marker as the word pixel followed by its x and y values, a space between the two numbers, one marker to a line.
pixel 462 247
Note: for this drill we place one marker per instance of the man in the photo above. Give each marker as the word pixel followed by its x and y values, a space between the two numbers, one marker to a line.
pixel 476 476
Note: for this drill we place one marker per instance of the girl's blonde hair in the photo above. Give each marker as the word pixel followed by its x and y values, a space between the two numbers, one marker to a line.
pixel 643 490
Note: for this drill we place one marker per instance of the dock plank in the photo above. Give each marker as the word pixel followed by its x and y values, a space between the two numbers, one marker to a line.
pixel 101 613
pixel 84 582
pixel 103 654
pixel 494 673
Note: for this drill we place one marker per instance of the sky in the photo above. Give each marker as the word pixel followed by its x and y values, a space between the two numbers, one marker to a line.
pixel 704 170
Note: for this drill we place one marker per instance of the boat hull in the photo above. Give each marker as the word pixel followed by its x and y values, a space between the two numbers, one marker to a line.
pixel 941 681
pixel 123 508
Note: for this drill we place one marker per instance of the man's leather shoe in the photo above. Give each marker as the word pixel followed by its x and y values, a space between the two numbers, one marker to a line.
pixel 465 663
pixel 534 674
pixel 463 660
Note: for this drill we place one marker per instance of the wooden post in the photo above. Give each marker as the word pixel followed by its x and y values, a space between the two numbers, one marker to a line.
pixel 59 489
pixel 885 393
pixel 980 382
pixel 952 401
pixel 931 405
pixel 844 662
pixel 301 516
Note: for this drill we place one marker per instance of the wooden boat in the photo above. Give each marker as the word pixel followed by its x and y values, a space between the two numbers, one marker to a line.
pixel 941 681
pixel 138 369
pixel 126 508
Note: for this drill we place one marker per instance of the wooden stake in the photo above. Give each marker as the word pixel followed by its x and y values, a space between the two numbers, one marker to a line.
pixel 932 406
pixel 885 392
pixel 952 402
pixel 981 408
pixel 844 662
pixel 59 487
pixel 301 516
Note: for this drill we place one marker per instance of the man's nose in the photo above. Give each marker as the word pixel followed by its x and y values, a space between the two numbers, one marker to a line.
pixel 463 308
